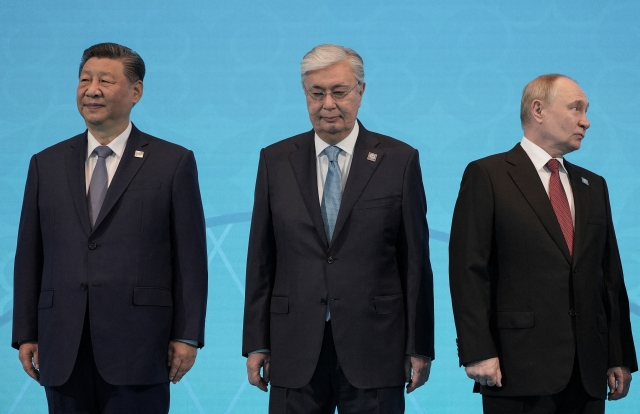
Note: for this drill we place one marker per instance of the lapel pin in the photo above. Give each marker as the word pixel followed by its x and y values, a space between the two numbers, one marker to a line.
pixel 372 157
pixel 584 180
pixel 140 154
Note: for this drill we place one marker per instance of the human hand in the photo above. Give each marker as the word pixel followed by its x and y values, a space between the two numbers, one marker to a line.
pixel 486 372
pixel 420 367
pixel 254 363
pixel 180 358
pixel 28 355
pixel 619 379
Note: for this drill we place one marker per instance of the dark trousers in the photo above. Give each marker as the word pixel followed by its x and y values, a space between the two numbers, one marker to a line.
pixel 574 399
pixel 329 389
pixel 86 392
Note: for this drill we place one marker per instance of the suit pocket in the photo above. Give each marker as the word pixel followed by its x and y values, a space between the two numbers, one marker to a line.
pixel 516 319
pixel 602 324
pixel 376 203
pixel 389 304
pixel 279 304
pixel 46 299
pixel 597 220
pixel 151 296
pixel 144 185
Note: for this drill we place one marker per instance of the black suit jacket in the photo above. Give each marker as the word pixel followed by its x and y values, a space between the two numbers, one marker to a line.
pixel 514 284
pixel 375 272
pixel 142 270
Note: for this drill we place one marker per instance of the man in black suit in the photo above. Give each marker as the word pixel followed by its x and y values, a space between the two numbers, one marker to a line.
pixel 339 293
pixel 110 280
pixel 538 294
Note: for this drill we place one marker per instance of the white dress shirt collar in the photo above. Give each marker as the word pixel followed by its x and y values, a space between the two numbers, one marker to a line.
pixel 117 145
pixel 538 156
pixel 347 145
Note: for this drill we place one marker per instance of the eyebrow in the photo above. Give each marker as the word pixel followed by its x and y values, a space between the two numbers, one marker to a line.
pixel 338 85
pixel 102 73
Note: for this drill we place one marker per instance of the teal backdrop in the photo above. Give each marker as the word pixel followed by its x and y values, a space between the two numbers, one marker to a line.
pixel 223 80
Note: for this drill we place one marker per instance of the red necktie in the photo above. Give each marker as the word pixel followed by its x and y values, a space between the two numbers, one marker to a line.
pixel 560 203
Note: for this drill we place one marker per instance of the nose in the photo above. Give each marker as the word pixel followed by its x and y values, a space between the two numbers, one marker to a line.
pixel 584 121
pixel 93 89
pixel 328 102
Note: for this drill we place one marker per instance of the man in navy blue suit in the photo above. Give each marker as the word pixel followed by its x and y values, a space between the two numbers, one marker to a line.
pixel 110 281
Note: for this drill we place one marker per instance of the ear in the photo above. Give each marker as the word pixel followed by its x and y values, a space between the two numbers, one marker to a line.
pixel 138 88
pixel 362 89
pixel 537 106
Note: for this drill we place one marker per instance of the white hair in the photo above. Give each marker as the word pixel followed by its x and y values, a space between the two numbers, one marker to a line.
pixel 323 56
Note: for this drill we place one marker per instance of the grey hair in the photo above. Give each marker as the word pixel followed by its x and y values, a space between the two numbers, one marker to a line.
pixel 323 56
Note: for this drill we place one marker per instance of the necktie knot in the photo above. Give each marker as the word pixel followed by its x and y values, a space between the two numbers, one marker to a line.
pixel 332 153
pixel 553 165
pixel 103 151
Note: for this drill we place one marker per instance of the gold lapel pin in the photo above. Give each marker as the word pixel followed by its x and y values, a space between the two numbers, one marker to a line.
pixel 139 154
pixel 372 157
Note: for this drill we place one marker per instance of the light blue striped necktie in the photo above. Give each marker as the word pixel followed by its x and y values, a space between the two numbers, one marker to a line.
pixel 99 183
pixel 332 194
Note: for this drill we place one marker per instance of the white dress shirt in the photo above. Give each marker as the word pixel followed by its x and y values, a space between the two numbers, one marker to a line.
pixel 112 161
pixel 344 158
pixel 540 158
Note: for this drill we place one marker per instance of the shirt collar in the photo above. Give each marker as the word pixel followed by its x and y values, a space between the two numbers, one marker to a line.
pixel 117 145
pixel 538 156
pixel 347 145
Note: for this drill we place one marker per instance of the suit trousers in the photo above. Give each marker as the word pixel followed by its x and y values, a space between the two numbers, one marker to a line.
pixel 329 389
pixel 86 392
pixel 573 399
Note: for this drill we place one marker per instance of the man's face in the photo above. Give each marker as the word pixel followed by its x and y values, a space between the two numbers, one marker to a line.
pixel 564 122
pixel 333 120
pixel 105 96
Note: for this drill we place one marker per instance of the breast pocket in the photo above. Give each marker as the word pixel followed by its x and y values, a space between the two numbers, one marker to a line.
pixel 377 203
pixel 144 185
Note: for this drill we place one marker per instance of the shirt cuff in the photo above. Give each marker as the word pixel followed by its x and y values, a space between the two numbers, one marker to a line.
pixel 263 351
pixel 188 342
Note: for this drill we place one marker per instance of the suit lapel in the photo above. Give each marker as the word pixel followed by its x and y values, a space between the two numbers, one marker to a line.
pixel 127 169
pixel 525 176
pixel 75 163
pixel 359 175
pixel 581 205
pixel 303 162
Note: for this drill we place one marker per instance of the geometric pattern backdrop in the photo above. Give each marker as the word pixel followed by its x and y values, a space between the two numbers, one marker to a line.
pixel 223 80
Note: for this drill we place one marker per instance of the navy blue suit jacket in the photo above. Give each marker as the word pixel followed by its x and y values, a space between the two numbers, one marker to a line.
pixel 141 272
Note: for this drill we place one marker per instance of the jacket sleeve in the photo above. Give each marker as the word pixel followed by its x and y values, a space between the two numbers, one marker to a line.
pixel 621 347
pixel 261 267
pixel 189 253
pixel 415 264
pixel 470 265
pixel 28 264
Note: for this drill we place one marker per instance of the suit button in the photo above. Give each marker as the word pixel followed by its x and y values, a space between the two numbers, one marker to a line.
pixel 83 286
pixel 329 259
pixel 92 246
pixel 323 301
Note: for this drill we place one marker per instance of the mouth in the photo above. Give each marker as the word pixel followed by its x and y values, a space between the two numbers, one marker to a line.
pixel 330 119
pixel 92 106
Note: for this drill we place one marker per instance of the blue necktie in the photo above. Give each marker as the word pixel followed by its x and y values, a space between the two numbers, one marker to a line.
pixel 99 181
pixel 332 194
